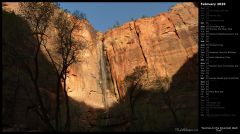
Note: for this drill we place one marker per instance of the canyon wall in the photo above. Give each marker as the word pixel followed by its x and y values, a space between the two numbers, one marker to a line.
pixel 84 83
pixel 163 43
pixel 167 44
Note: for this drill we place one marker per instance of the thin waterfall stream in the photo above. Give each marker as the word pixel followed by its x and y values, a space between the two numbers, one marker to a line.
pixel 103 81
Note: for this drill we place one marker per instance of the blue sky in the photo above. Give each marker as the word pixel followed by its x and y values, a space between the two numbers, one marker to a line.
pixel 103 15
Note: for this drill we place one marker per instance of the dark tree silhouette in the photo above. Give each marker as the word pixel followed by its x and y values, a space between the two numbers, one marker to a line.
pixel 133 85
pixel 38 15
pixel 68 49
pixel 163 85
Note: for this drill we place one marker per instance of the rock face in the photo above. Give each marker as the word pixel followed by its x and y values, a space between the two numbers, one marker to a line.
pixel 85 80
pixel 10 6
pixel 163 43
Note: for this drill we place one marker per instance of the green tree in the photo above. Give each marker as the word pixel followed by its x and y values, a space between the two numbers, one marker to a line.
pixel 117 24
pixel 144 16
pixel 79 15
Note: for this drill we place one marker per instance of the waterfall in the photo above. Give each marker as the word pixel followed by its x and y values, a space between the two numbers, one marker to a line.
pixel 103 80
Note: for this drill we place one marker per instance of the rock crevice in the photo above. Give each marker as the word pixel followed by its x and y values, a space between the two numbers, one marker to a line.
pixel 139 41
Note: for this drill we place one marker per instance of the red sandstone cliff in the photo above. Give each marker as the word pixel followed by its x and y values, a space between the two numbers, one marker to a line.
pixel 163 43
